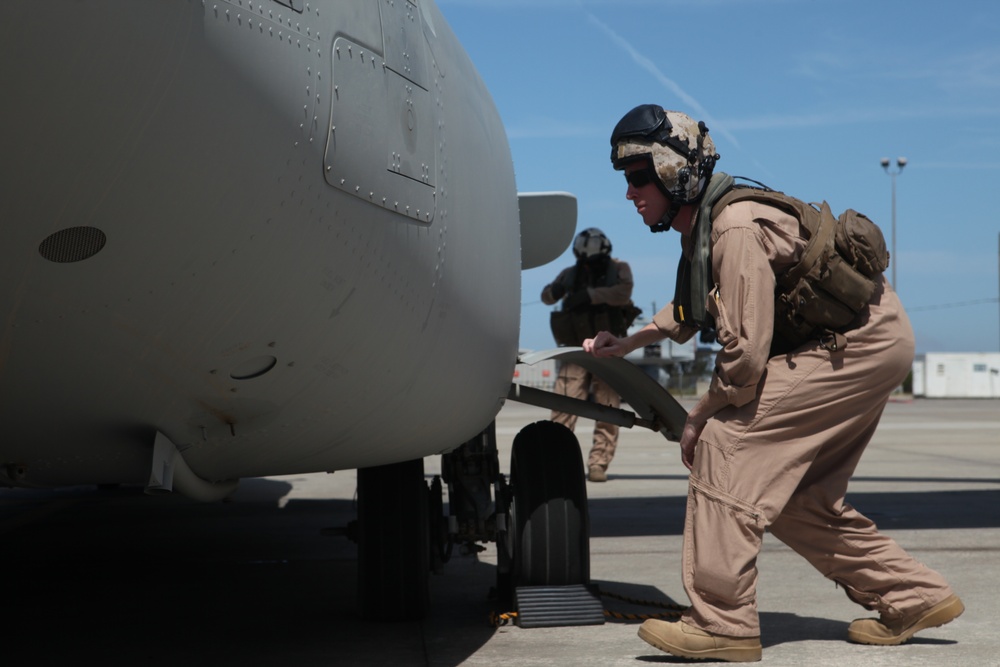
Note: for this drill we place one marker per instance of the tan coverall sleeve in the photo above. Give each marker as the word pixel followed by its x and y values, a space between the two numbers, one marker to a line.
pixel 670 327
pixel 743 305
pixel 547 297
pixel 618 294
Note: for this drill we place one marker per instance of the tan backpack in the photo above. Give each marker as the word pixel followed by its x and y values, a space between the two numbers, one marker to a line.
pixel 823 295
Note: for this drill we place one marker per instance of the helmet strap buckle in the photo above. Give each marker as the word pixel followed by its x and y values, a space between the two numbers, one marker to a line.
pixel 664 225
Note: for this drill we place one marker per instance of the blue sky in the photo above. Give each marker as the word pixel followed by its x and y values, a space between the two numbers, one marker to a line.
pixel 804 95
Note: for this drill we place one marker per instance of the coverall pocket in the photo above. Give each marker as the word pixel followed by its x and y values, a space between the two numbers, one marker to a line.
pixel 717 309
pixel 724 542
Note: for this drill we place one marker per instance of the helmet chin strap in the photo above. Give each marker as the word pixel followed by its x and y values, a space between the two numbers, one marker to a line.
pixel 668 218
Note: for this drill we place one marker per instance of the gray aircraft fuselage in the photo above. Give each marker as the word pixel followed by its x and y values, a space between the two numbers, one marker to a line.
pixel 286 238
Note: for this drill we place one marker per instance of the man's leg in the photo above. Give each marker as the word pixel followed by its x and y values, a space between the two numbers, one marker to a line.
pixel 605 435
pixel 572 380
pixel 846 547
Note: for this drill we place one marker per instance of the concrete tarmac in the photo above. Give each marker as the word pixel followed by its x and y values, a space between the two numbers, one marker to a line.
pixel 117 577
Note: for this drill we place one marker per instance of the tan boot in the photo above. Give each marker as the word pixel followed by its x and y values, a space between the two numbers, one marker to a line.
pixel 597 474
pixel 687 641
pixel 891 633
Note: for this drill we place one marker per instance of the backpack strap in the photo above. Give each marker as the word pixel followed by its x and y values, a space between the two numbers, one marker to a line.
pixel 790 205
pixel 820 225
pixel 819 247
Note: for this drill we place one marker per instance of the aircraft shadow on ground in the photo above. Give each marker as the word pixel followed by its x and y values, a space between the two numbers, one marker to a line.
pixel 123 578
pixel 891 510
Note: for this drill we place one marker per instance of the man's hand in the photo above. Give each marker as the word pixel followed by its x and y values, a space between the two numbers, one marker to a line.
pixel 605 344
pixel 689 441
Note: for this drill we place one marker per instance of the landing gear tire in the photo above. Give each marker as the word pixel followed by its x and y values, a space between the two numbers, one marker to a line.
pixel 549 537
pixel 393 542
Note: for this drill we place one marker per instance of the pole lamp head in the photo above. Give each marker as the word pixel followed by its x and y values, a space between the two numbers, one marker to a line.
pixel 900 163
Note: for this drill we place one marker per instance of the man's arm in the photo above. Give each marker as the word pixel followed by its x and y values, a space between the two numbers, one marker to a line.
pixel 555 290
pixel 618 294
pixel 743 306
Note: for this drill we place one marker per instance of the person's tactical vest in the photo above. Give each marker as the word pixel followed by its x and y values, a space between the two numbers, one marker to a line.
pixel 572 327
pixel 820 297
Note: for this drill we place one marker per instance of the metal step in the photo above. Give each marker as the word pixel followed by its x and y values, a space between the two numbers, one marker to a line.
pixel 554 606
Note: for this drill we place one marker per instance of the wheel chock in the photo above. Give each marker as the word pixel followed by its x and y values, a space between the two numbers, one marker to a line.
pixel 555 606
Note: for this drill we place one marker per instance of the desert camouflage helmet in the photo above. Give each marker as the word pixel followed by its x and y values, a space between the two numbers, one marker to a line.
pixel 682 153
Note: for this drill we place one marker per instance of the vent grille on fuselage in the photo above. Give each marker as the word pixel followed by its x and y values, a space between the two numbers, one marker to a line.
pixel 72 245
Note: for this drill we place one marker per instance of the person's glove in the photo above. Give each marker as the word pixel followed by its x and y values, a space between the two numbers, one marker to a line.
pixel 558 290
pixel 576 299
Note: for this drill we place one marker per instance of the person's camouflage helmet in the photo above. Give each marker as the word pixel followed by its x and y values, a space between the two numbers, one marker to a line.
pixel 682 153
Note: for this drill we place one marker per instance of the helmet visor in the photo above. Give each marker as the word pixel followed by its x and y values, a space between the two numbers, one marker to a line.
pixel 647 123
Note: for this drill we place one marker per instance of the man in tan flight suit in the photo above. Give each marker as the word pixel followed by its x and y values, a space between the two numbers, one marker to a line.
pixel 774 441
pixel 593 292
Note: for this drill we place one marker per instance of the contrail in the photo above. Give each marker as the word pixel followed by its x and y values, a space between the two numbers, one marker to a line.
pixel 671 85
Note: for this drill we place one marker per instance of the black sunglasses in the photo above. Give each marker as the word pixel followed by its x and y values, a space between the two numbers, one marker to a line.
pixel 640 178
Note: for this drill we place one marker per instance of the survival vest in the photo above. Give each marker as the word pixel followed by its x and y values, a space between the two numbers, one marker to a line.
pixel 821 296
pixel 572 327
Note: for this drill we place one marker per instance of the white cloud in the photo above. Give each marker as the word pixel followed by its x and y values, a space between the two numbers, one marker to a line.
pixel 668 83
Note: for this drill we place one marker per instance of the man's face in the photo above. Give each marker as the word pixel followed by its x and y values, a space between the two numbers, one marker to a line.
pixel 649 200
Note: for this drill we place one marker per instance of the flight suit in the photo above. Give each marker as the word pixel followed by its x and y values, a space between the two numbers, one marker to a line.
pixel 575 381
pixel 784 437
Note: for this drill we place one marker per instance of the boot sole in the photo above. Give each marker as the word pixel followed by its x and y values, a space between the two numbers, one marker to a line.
pixel 734 654
pixel 945 611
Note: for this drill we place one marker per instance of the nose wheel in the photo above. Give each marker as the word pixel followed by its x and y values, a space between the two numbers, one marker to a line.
pixel 548 538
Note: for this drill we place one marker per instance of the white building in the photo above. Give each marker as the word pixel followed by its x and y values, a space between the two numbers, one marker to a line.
pixel 540 376
pixel 957 375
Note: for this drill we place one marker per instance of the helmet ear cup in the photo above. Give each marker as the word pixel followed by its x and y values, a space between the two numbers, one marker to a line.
pixel 683 176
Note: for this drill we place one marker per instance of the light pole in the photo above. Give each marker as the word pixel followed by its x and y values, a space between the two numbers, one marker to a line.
pixel 900 163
